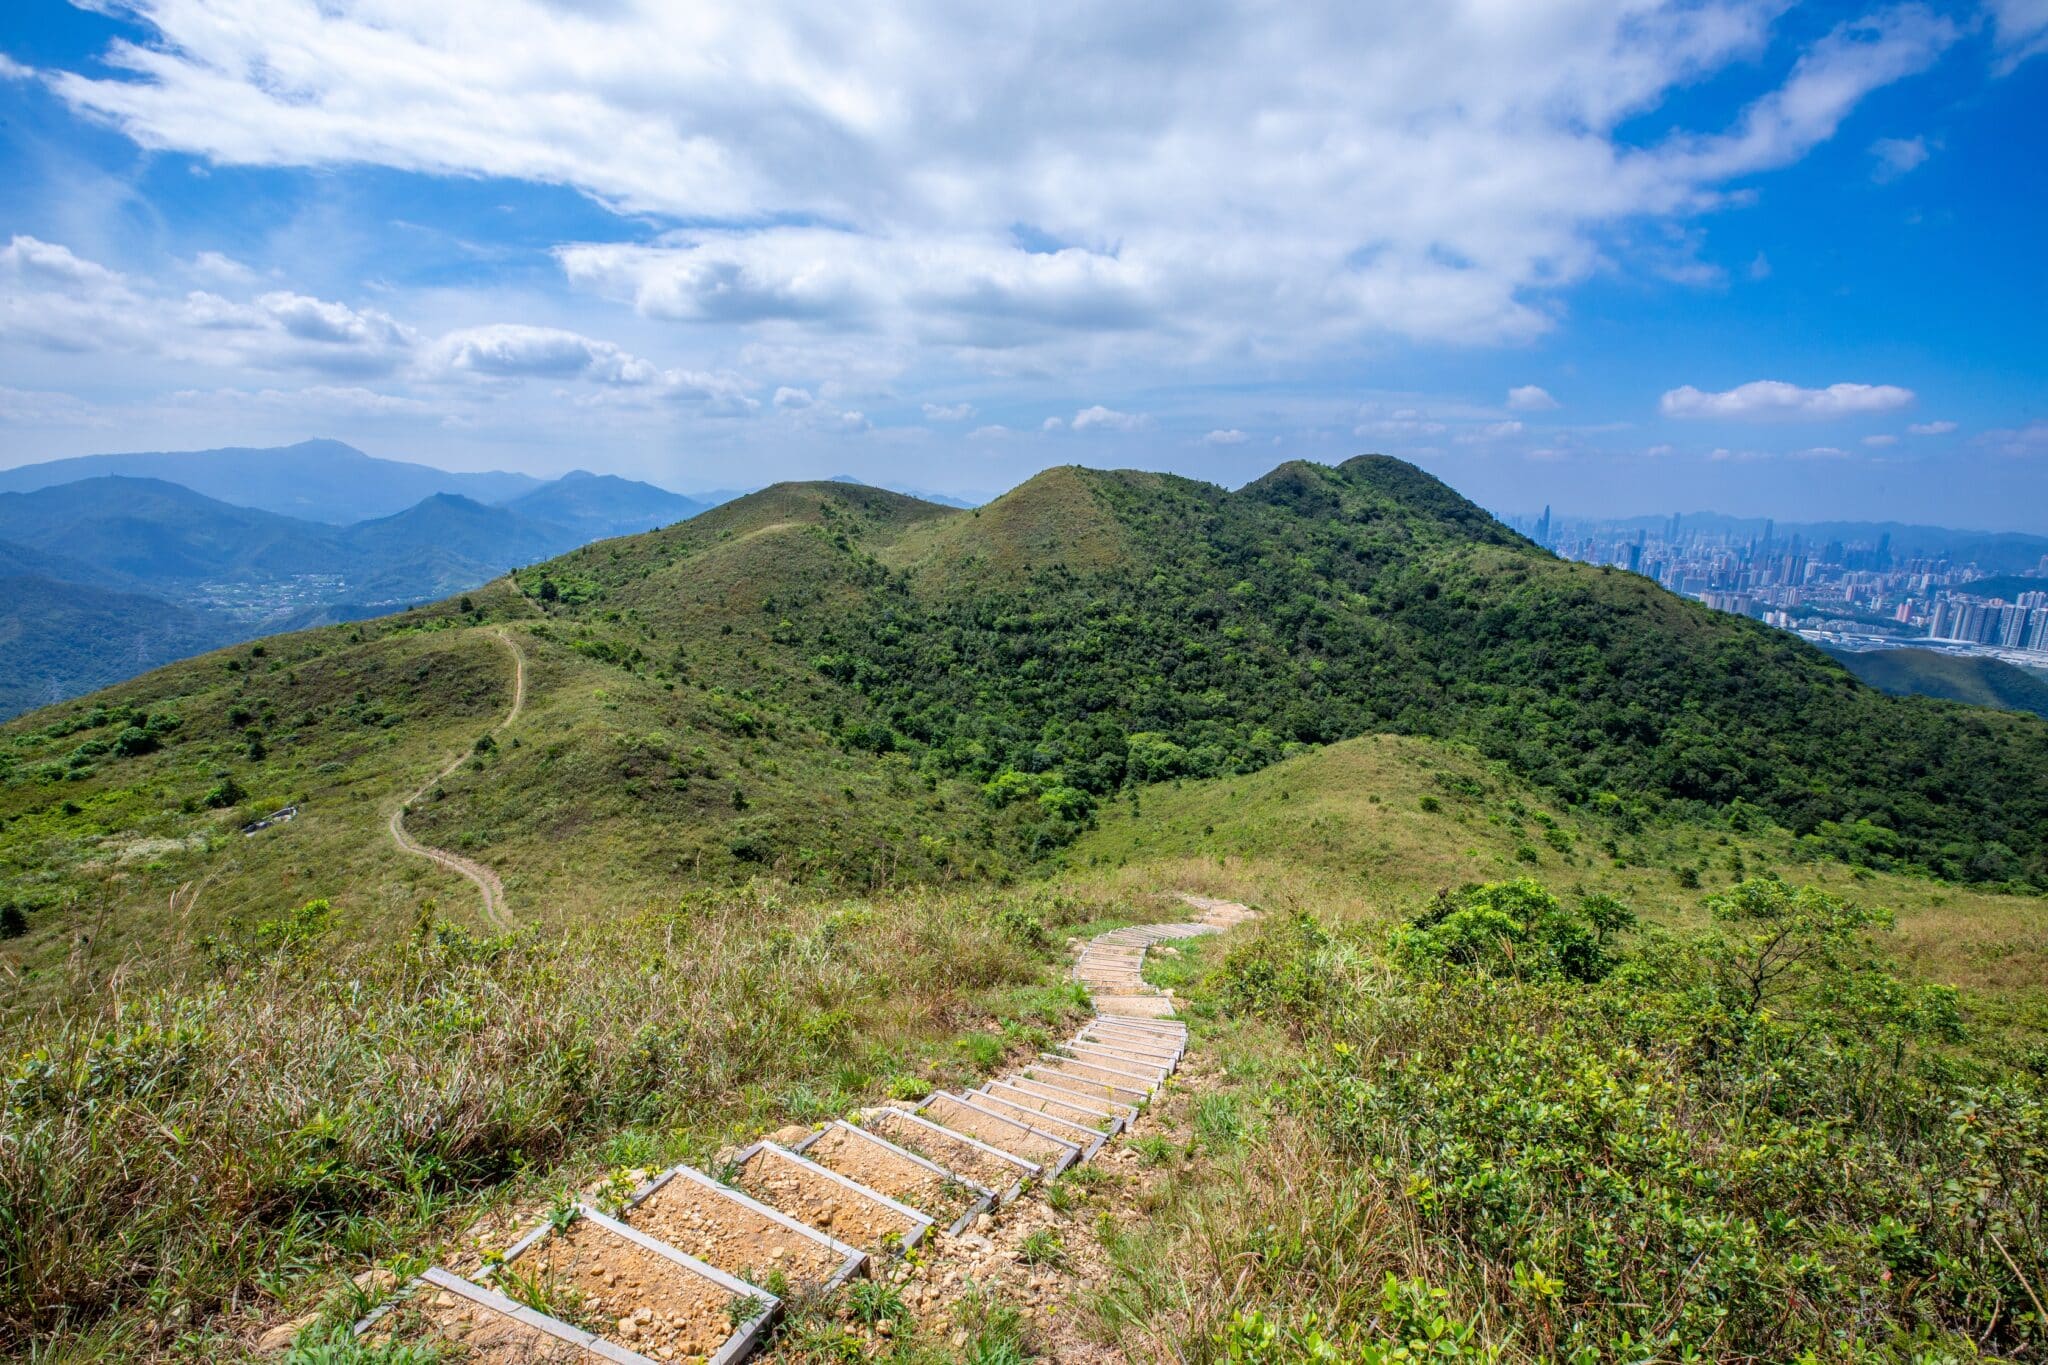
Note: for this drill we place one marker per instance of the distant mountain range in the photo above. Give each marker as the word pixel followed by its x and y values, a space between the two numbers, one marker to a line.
pixel 111 572
pixel 316 480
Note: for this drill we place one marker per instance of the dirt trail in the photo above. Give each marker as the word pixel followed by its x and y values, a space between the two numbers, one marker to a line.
pixel 485 880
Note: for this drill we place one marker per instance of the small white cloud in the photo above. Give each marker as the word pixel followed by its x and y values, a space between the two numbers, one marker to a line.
pixel 2025 442
pixel 1821 453
pixel 1760 268
pixel 1767 399
pixel 1881 440
pixel 854 421
pixel 1053 424
pixel 1530 398
pixel 1225 437
pixel 221 269
pixel 948 412
pixel 793 400
pixel 1897 156
pixel 11 70
pixel 1931 428
pixel 1660 451
pixel 2022 31
pixel 994 431
pixel 1109 419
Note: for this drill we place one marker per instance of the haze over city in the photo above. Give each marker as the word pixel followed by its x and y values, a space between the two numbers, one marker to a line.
pixel 1616 259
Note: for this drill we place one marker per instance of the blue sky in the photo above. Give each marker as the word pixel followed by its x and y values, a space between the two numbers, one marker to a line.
pixel 1615 257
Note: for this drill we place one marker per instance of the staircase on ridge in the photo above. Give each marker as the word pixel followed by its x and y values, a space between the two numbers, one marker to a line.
pixel 695 1266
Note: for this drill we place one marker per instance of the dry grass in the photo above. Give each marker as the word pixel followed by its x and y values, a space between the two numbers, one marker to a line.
pixel 173 1162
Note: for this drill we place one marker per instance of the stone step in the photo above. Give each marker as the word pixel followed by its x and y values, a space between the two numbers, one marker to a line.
pixel 739 1234
pixel 987 1165
pixel 974 1120
pixel 950 1199
pixel 829 1201
pixel 635 1291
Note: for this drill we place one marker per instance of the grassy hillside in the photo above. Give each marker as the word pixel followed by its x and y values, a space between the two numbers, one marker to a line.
pixel 1929 673
pixel 841 685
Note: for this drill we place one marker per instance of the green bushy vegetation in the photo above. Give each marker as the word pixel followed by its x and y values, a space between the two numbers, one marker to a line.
pixel 1510 1128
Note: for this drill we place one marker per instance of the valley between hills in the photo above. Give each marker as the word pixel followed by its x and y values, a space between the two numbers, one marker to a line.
pixel 1629 979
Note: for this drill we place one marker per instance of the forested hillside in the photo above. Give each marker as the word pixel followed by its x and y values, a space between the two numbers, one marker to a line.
pixel 1091 630
pixel 847 686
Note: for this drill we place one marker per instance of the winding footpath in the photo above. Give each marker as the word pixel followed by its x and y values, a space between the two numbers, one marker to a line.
pixel 485 880
pixel 694 1265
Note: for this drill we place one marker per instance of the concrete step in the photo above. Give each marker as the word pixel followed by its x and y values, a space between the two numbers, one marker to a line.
pixel 951 1200
pixel 987 1165
pixel 829 1201
pixel 634 1291
pixel 739 1234
pixel 964 1115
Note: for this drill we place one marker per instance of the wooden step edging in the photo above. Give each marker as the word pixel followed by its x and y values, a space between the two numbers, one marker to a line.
pixel 979 1207
pixel 447 1281
pixel 1070 1152
pixel 735 1347
pixel 852 1257
pixel 1029 1170
pixel 923 1221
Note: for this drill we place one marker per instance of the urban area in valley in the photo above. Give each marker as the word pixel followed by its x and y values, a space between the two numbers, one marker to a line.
pixel 1845 586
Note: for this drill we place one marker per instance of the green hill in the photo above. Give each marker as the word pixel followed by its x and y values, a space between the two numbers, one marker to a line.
pixel 1931 673
pixel 843 685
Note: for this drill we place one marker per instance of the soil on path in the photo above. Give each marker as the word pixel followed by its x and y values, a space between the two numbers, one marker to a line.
pixel 485 880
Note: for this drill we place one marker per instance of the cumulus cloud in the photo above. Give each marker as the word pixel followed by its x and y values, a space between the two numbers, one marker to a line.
pixel 1881 440
pixel 994 431
pixel 1225 437
pixel 1100 418
pixel 1931 428
pixel 1771 399
pixel 793 399
pixel 1530 398
pixel 1420 172
pixel 948 412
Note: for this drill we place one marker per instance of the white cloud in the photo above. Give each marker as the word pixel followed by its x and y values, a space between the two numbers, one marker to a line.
pixel 1053 424
pixel 2021 27
pixel 948 412
pixel 994 431
pixel 11 70
pixel 1530 398
pixel 1881 440
pixel 221 269
pixel 793 399
pixel 1225 437
pixel 855 421
pixel 1427 172
pixel 1931 428
pixel 1767 399
pixel 2024 442
pixel 1896 156
pixel 1100 418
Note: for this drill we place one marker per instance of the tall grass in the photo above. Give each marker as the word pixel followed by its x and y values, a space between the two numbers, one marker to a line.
pixel 171 1154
